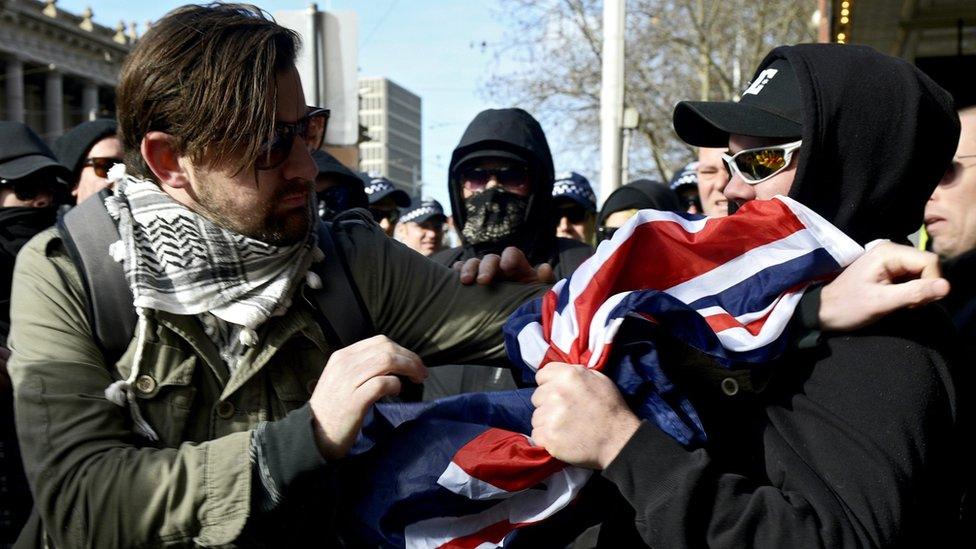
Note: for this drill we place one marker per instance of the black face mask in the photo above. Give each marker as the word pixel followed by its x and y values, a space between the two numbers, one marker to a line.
pixel 333 201
pixel 492 215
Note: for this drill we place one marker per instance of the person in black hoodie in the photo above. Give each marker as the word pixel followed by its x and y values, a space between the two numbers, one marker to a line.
pixel 861 439
pixel 624 202
pixel 31 184
pixel 337 188
pixel 501 178
pixel 500 183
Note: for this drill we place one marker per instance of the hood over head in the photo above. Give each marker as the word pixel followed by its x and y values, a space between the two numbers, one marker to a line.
pixel 72 147
pixel 640 194
pixel 512 134
pixel 877 133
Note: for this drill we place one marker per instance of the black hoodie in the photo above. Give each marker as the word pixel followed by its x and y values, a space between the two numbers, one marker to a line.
pixel 878 135
pixel 639 194
pixel 862 440
pixel 513 133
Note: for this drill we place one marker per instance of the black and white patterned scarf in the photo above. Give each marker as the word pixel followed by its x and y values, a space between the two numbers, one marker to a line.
pixel 178 261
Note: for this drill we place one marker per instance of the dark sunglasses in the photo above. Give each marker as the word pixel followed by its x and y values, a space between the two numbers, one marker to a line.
pixel 311 128
pixel 102 164
pixel 512 179
pixel 30 188
pixel 379 215
pixel 759 164
pixel 574 213
pixel 605 233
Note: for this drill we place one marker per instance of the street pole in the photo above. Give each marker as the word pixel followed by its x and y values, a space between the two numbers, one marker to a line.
pixel 612 96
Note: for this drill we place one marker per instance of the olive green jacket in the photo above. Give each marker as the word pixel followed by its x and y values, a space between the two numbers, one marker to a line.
pixel 97 483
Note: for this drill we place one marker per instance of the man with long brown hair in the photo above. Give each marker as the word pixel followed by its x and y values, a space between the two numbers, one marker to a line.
pixel 221 421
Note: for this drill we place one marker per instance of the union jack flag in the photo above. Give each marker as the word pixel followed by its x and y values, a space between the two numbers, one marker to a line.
pixel 462 472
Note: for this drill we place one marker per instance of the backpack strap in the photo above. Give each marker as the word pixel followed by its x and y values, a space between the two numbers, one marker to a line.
pixel 87 231
pixel 338 301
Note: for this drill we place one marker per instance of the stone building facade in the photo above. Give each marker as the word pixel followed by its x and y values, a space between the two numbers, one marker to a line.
pixel 57 69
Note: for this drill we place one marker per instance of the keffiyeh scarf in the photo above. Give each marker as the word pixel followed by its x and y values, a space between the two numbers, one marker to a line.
pixel 178 261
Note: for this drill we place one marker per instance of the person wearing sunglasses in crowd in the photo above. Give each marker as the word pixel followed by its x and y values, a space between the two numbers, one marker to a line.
pixel 224 421
pixel 852 439
pixel 385 201
pixel 337 187
pixel 950 222
pixel 500 183
pixel 89 150
pixel 32 182
pixel 623 203
pixel 575 204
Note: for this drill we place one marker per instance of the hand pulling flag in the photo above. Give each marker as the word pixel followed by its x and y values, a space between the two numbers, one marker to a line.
pixel 462 471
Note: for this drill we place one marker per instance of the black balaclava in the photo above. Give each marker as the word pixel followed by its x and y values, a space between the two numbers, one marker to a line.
pixel 346 195
pixel 640 194
pixel 17 226
pixel 515 135
pixel 878 135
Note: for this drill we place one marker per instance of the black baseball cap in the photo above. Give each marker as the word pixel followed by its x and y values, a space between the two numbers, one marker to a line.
pixel 22 153
pixel 769 107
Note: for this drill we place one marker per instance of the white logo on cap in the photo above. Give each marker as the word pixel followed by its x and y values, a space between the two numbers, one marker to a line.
pixel 760 81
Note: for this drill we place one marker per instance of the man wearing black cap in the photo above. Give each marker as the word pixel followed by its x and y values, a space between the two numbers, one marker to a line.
pixel 337 187
pixel 31 182
pixel 385 201
pixel 421 226
pixel 89 150
pixel 857 440
pixel 501 181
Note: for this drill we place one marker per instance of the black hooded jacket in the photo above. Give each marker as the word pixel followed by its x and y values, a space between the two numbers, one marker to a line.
pixel 17 226
pixel 861 440
pixel 639 194
pixel 876 142
pixel 514 133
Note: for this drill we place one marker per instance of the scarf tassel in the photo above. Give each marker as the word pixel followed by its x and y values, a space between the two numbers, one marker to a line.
pixel 121 392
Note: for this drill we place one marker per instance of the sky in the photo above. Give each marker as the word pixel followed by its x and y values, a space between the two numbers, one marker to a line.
pixel 431 47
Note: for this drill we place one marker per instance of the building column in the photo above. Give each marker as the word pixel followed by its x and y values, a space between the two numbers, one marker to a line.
pixel 89 100
pixel 53 105
pixel 15 89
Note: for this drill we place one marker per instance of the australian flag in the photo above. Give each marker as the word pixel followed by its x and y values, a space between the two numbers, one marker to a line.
pixel 463 472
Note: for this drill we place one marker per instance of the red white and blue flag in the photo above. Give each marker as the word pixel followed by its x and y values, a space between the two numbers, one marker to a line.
pixel 462 472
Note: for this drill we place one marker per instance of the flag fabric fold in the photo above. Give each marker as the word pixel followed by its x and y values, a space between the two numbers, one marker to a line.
pixel 463 472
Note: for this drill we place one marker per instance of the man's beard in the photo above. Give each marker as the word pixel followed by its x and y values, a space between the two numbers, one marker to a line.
pixel 259 221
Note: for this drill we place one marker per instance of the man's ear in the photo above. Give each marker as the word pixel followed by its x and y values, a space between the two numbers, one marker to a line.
pixel 161 157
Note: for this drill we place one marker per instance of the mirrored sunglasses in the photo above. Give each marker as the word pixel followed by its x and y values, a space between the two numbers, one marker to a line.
pixel 761 163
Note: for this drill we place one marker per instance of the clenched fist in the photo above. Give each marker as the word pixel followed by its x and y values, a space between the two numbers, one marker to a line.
pixel 354 378
pixel 580 416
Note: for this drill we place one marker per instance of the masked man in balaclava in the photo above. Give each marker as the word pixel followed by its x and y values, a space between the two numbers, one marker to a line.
pixel 501 178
